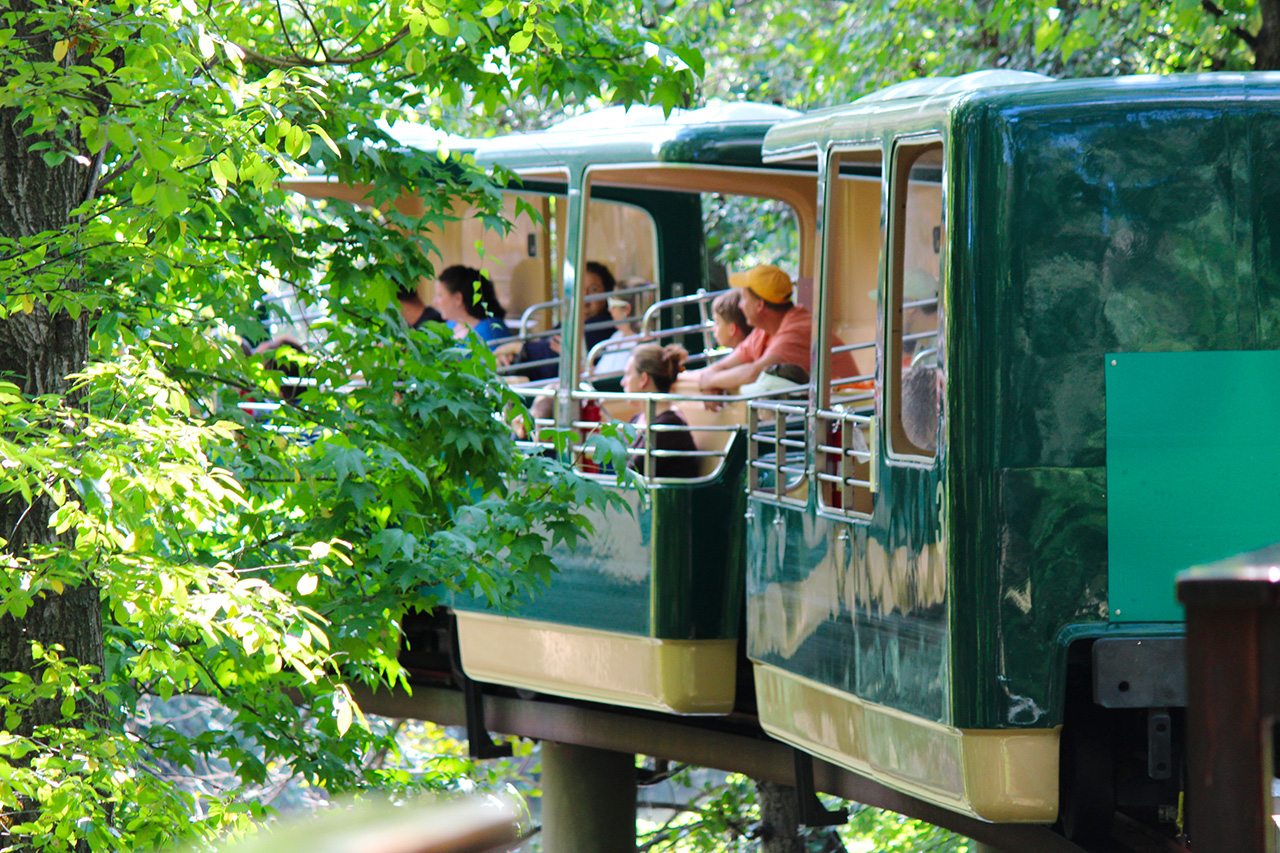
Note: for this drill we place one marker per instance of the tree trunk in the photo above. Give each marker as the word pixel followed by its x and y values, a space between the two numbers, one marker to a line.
pixel 780 823
pixel 37 352
pixel 1266 48
pixel 779 818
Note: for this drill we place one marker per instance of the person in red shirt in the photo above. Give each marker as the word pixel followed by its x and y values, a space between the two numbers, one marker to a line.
pixel 782 333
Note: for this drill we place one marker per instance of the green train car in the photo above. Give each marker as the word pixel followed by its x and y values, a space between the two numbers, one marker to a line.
pixel 647 614
pixel 1073 291
pixel 954 570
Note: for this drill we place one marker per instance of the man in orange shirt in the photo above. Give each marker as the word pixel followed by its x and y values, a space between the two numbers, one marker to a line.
pixel 782 334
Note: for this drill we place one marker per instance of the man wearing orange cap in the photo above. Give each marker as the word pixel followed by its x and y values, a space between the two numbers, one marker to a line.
pixel 782 333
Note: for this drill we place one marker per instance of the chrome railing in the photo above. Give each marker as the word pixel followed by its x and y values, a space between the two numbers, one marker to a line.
pixel 777 457
pixel 649 331
pixel 837 381
pixel 701 298
pixel 585 428
pixel 836 461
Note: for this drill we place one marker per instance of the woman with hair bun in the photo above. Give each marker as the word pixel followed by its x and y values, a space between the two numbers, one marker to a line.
pixel 456 301
pixel 653 369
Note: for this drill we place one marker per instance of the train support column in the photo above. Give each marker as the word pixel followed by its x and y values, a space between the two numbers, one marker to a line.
pixel 1233 697
pixel 588 799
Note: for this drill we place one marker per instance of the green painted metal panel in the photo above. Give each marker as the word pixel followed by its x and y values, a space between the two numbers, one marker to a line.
pixel 857 606
pixel 1193 468
pixel 669 565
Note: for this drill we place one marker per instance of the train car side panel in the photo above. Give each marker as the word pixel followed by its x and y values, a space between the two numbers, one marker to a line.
pixel 1116 229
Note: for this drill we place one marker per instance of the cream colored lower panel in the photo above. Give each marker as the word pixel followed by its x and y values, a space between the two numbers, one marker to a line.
pixel 679 676
pixel 1000 775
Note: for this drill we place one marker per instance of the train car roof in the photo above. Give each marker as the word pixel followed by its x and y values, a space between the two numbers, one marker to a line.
pixel 720 134
pixel 916 101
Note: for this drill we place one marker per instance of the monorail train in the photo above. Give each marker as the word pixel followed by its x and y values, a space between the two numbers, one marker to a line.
pixel 1077 283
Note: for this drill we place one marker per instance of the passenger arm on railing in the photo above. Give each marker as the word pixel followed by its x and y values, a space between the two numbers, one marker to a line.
pixel 732 372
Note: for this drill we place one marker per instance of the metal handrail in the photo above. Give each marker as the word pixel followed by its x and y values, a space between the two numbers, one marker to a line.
pixel 613 345
pixel 849 380
pixel 923 354
pixel 702 298
pixel 621 291
pixel 783 481
pixel 527 314
pixel 852 347
pixel 847 455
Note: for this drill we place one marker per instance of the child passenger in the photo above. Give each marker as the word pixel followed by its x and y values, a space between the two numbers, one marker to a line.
pixel 651 369
pixel 731 326
pixel 614 358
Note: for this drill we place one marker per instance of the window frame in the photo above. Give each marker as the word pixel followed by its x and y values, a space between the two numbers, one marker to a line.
pixel 851 489
pixel 905 153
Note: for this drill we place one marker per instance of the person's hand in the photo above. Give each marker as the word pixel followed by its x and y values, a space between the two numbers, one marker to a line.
pixel 555 344
pixel 507 353
pixel 712 405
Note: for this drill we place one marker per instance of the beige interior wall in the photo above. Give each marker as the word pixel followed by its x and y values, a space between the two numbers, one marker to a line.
pixel 623 238
pixel 520 278
pixel 924 213
pixel 853 261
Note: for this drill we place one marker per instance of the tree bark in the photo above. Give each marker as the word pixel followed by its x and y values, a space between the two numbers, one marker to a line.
pixel 780 823
pixel 37 352
pixel 779 818
pixel 1266 49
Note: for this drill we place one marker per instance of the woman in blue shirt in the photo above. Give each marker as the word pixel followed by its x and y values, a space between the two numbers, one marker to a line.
pixel 468 303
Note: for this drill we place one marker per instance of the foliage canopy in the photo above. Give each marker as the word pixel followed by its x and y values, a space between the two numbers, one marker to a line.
pixel 822 53
pixel 155 536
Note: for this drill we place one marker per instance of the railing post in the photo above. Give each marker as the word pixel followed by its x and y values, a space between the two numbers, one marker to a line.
pixel 1233 688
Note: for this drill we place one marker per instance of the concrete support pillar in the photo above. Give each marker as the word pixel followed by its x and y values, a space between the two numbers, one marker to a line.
pixel 588 799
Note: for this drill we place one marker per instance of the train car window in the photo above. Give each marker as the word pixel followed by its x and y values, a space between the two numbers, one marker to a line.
pixel 914 363
pixel 852 243
pixel 620 253
pixel 742 231
pixel 705 222
pixel 519 262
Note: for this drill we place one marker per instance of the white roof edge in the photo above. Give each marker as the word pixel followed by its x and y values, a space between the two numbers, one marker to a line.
pixel 932 86
pixel 639 115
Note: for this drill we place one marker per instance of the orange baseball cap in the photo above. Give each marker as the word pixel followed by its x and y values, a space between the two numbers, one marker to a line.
pixel 766 281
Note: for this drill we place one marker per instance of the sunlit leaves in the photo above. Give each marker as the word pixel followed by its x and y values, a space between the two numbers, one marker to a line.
pixel 262 558
pixel 825 53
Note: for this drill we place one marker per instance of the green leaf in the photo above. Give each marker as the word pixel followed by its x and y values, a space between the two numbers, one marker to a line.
pixel 692 58
pixel 324 137
pixel 344 714
pixel 519 42
pixel 142 193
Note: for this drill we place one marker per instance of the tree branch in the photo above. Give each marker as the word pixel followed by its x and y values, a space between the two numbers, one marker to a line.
pixel 1218 12
pixel 302 7
pixel 284 28
pixel 262 60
